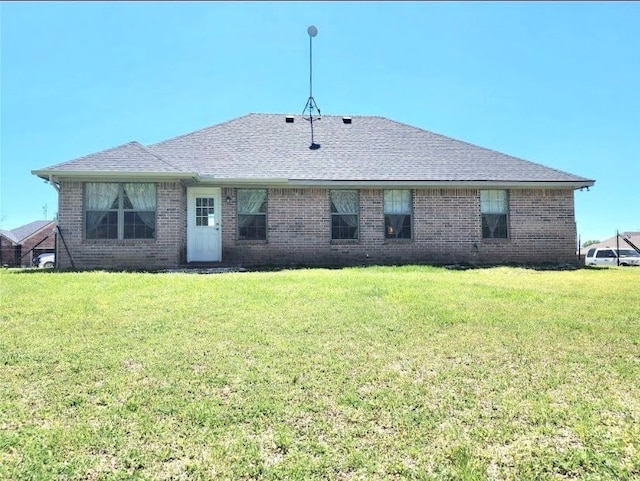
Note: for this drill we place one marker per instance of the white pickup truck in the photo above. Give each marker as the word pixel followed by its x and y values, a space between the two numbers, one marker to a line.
pixel 46 260
pixel 608 256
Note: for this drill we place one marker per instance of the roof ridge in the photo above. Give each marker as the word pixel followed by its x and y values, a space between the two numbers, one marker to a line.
pixel 235 119
pixel 9 235
pixel 31 223
pixel 157 156
pixel 90 155
pixel 41 224
pixel 41 228
pixel 203 129
pixel 483 147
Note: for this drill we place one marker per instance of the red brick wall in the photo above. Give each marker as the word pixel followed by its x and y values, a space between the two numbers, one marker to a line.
pixel 47 245
pixel 9 253
pixel 165 250
pixel 446 229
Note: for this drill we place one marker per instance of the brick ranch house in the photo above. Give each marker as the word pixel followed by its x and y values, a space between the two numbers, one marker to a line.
pixel 251 191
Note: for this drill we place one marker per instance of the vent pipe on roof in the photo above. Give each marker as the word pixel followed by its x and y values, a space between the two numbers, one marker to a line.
pixel 311 105
pixel 346 120
pixel 289 119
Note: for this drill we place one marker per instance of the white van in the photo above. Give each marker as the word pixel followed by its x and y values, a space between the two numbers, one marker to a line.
pixel 608 256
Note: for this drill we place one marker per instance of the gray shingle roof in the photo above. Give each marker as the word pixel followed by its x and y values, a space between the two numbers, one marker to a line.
pixel 264 146
pixel 19 234
pixel 131 157
pixel 9 235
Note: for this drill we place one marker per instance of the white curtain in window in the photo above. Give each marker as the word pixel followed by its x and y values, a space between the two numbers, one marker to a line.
pixel 99 197
pixel 346 203
pixel 493 205
pixel 143 200
pixel 250 202
pixel 493 201
pixel 397 202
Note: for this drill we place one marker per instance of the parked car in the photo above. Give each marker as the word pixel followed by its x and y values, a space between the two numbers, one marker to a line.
pixel 608 256
pixel 46 260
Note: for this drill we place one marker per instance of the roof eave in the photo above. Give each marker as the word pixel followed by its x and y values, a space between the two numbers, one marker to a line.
pixel 483 184
pixel 110 175
pixel 235 181
pixel 281 181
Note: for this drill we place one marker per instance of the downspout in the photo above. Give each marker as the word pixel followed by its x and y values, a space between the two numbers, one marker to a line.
pixel 53 183
pixel 57 229
pixel 73 266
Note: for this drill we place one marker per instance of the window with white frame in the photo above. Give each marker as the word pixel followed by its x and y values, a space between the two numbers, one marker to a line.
pixel 344 214
pixel 252 214
pixel 494 210
pixel 120 210
pixel 397 214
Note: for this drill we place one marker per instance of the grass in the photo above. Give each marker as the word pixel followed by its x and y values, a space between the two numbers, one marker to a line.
pixel 362 373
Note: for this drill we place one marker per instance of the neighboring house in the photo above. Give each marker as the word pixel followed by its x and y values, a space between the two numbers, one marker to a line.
pixel 634 237
pixel 251 191
pixel 19 246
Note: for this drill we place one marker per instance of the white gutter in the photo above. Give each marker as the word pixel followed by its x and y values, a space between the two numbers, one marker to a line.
pixel 275 181
pixel 483 184
pixel 195 179
pixel 112 175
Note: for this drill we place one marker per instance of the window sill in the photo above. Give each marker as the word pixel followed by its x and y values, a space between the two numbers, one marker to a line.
pixel 119 241
pixel 252 241
pixel 391 240
pixel 496 240
pixel 345 241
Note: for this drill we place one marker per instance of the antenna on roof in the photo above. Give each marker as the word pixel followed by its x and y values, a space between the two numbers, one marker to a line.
pixel 311 105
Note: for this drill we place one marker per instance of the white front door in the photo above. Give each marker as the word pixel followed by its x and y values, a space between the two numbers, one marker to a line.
pixel 203 224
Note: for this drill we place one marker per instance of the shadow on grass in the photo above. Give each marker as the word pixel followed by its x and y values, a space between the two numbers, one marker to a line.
pixel 223 269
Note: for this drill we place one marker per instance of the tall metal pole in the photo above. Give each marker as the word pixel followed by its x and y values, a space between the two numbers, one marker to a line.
pixel 310 66
pixel 579 247
pixel 311 103
pixel 311 86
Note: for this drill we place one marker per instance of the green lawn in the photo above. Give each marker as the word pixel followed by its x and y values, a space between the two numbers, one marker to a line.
pixel 362 373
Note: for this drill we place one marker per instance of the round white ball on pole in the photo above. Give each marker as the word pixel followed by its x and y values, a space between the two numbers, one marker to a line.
pixel 312 31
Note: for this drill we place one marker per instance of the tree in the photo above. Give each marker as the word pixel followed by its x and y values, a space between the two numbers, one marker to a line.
pixel 590 242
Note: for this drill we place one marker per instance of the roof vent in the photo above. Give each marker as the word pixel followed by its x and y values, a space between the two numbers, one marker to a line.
pixel 289 119
pixel 346 120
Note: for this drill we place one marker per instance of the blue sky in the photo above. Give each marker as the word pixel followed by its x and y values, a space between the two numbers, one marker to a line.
pixel 556 83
